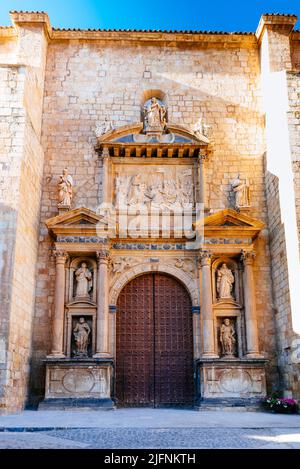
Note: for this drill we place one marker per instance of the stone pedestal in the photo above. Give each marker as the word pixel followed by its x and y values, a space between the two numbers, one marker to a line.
pixel 78 383
pixel 231 382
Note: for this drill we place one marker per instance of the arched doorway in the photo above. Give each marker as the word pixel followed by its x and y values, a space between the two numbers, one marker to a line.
pixel 154 343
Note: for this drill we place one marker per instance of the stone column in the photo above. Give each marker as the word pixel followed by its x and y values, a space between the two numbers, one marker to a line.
pixel 102 305
pixel 201 179
pixel 59 306
pixel 105 175
pixel 206 306
pixel 252 348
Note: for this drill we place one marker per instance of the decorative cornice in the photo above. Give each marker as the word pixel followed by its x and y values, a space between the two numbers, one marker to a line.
pixel 286 22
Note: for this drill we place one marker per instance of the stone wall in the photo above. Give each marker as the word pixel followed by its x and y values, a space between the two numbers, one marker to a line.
pixel 21 174
pixel 280 87
pixel 295 51
pixel 88 82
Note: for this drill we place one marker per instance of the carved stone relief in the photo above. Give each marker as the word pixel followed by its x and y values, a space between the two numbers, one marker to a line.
pixel 78 381
pixel 186 264
pixel 235 381
pixel 161 188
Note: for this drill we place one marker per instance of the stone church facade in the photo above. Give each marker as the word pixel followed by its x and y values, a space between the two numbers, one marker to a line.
pixel 150 214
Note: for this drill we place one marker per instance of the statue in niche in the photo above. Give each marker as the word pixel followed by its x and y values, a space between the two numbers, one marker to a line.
pixel 65 189
pixel 84 281
pixel 154 116
pixel 227 338
pixel 241 190
pixel 225 280
pixel 81 334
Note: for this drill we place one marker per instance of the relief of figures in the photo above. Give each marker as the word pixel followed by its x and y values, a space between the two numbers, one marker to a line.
pixel 159 188
pixel 227 338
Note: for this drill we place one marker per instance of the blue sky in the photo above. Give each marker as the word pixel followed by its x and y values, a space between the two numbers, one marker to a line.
pixel 227 15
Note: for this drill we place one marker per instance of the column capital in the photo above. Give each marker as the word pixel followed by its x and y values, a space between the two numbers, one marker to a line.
pixel 60 256
pixel 202 157
pixel 247 257
pixel 205 257
pixel 105 153
pixel 102 255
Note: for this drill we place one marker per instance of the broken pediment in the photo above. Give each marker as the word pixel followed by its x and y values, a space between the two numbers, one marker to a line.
pixel 231 224
pixel 131 140
pixel 78 222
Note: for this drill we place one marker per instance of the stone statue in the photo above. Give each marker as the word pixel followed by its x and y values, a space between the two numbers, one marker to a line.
pixel 154 116
pixel 65 189
pixel 200 128
pixel 241 190
pixel 227 338
pixel 81 333
pixel 103 127
pixel 84 281
pixel 137 191
pixel 225 279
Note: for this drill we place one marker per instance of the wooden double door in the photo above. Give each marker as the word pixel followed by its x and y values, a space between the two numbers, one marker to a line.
pixel 154 343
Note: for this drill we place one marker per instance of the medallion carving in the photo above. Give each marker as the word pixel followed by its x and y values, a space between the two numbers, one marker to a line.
pixel 78 381
pixel 235 381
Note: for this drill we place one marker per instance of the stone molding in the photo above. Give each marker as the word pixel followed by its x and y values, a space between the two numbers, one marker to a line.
pixel 190 284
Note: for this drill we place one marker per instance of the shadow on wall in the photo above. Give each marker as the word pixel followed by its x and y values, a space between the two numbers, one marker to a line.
pixel 288 342
pixel 8 223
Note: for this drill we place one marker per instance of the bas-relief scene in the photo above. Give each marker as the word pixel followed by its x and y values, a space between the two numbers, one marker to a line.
pixel 161 187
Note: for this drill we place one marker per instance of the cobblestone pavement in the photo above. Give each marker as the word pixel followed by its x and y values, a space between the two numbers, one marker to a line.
pixel 153 438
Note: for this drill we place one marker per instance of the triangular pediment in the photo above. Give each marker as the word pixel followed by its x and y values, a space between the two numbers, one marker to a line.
pixel 80 221
pixel 230 223
pixel 229 217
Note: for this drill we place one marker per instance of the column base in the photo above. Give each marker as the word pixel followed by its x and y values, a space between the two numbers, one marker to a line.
pixel 102 355
pixel 210 355
pixel 56 355
pixel 254 355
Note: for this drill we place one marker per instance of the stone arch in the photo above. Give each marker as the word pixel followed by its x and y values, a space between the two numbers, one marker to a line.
pixel 189 283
